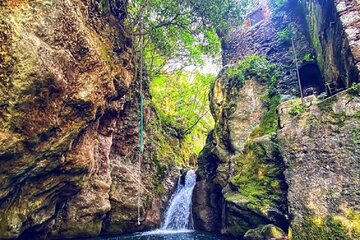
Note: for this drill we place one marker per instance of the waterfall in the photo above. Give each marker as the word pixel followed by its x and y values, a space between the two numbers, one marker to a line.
pixel 178 214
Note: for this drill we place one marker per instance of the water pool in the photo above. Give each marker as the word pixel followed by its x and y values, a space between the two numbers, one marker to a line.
pixel 168 235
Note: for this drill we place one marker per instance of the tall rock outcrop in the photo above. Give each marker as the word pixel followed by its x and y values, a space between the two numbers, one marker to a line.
pixel 69 123
pixel 254 155
pixel 321 149
pixel 241 185
pixel 334 32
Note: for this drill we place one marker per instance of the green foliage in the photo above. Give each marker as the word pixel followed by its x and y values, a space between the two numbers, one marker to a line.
pixel 307 57
pixel 297 108
pixel 171 35
pixel 355 89
pixel 285 34
pixel 182 31
pixel 182 104
pixel 251 66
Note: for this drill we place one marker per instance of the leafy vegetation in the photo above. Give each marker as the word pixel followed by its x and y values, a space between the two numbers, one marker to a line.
pixel 170 36
pixel 182 104
pixel 355 89
pixel 252 65
pixel 184 31
pixel 297 108
pixel 307 57
pixel 277 4
pixel 285 34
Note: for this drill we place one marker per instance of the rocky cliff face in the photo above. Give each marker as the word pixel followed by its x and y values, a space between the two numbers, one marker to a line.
pixel 334 32
pixel 69 123
pixel 253 155
pixel 321 147
pixel 266 39
pixel 241 186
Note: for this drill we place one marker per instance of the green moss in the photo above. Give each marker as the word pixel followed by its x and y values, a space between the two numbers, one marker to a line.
pixel 269 121
pixel 354 89
pixel 327 104
pixel 307 57
pixel 329 228
pixel 314 36
pixel 355 135
pixel 264 232
pixel 259 175
pixel 357 114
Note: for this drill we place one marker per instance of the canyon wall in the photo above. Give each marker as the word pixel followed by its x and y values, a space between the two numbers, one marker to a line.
pixel 69 115
pixel 334 33
pixel 272 165
pixel 321 149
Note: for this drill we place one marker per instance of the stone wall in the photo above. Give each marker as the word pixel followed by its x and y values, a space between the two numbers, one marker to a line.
pixel 321 149
pixel 69 123
pixel 335 35
pixel 265 39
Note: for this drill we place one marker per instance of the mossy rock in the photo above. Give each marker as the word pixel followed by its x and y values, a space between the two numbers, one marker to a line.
pixel 336 227
pixel 266 232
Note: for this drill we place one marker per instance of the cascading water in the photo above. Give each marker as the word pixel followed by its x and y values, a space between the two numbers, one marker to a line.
pixel 178 215
pixel 177 224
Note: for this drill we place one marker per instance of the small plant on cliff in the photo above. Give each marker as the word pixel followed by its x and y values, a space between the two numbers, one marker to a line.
pixel 307 57
pixel 285 34
pixel 251 66
pixel 297 109
pixel 355 89
pixel 277 4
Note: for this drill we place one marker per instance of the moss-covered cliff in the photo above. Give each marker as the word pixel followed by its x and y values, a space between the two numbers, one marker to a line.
pixel 334 32
pixel 320 146
pixel 241 185
pixel 266 165
pixel 69 123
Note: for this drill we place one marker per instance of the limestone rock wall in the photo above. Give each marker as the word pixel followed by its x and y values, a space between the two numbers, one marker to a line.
pixel 334 31
pixel 265 39
pixel 236 166
pixel 69 123
pixel 321 151
pixel 241 185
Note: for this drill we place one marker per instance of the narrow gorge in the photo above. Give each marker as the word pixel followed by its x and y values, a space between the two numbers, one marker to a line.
pixel 110 108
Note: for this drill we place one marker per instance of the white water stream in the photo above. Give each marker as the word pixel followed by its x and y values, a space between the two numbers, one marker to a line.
pixel 178 215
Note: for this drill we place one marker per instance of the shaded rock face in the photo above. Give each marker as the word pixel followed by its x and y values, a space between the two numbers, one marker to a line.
pixel 334 32
pixel 265 39
pixel 69 123
pixel 218 202
pixel 321 150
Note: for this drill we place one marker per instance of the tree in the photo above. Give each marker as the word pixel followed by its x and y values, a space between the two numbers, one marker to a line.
pixel 184 30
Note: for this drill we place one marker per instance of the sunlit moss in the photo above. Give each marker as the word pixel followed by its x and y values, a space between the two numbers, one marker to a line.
pixel 337 227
